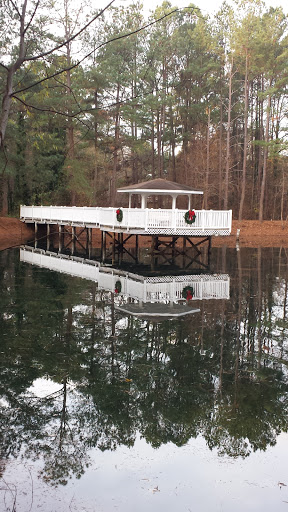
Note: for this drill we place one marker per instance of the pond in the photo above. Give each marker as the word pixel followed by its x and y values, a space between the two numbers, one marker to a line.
pixel 103 408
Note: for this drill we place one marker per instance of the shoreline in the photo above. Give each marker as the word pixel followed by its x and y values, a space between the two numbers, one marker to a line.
pixel 252 234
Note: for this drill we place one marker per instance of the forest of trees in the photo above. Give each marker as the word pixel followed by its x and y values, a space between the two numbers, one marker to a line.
pixel 96 100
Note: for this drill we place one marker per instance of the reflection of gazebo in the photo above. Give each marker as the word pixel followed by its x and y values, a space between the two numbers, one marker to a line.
pixel 148 294
pixel 159 187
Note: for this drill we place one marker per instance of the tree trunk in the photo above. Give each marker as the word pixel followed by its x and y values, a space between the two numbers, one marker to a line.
pixel 220 170
pixel 8 91
pixel 206 187
pixel 245 142
pixel 95 174
pixel 116 149
pixel 227 171
pixel 153 146
pixel 265 160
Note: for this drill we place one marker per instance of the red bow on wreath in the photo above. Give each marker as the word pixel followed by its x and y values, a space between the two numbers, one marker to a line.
pixel 191 214
pixel 118 211
pixel 189 295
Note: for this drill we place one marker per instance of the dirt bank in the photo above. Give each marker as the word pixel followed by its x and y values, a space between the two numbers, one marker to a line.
pixel 252 234
pixel 13 232
pixel 255 234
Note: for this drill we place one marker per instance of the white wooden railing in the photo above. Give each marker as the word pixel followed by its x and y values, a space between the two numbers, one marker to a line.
pixel 135 220
pixel 146 289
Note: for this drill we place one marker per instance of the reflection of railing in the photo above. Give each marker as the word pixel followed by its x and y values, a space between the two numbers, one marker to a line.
pixel 146 289
pixel 150 221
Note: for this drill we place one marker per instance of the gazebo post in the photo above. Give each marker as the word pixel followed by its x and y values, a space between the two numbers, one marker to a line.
pixel 174 197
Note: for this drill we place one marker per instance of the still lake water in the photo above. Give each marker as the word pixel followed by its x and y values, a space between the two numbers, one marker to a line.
pixel 104 411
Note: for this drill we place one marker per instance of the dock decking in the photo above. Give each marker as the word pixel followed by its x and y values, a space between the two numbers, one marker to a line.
pixel 146 221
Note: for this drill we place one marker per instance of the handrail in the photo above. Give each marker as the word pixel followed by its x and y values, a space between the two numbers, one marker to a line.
pixel 148 220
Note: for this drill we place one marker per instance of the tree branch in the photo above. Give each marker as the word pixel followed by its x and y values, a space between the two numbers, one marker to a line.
pixel 3 66
pixel 53 111
pixel 44 54
pixel 57 73
pixel 117 38
pixel 15 7
pixel 32 17
pixel 43 109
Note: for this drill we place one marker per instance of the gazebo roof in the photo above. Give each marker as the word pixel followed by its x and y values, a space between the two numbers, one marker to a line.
pixel 159 186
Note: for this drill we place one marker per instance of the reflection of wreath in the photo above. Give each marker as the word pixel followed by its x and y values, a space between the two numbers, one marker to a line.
pixel 188 292
pixel 118 287
pixel 190 217
pixel 119 215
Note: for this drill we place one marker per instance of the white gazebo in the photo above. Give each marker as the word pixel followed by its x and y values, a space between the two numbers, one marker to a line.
pixel 138 221
pixel 159 187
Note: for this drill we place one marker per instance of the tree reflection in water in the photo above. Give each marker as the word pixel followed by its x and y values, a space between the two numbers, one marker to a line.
pixel 221 373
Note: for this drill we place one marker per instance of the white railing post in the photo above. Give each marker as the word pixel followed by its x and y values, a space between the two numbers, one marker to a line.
pixel 174 218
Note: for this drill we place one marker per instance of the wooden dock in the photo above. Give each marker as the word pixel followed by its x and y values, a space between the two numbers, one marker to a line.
pixel 165 226
pixel 146 221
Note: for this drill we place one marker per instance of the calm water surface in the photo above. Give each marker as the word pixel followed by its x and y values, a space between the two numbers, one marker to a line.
pixel 101 410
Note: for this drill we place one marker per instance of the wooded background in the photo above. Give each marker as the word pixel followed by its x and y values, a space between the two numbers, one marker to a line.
pixel 92 101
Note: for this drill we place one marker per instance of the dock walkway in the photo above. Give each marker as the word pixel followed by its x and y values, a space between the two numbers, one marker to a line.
pixel 140 221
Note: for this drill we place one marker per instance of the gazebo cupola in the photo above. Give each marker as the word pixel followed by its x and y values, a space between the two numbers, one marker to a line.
pixel 159 187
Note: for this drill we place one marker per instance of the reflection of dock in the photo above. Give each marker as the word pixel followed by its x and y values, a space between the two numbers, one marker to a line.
pixel 155 289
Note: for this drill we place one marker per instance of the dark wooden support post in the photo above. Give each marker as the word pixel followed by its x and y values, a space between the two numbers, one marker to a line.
pixel 88 241
pixel 103 246
pixel 113 248
pixel 209 249
pixel 35 234
pixel 60 238
pixel 184 250
pixel 153 248
pixel 121 247
pixel 117 248
pixel 73 235
pixel 48 237
pixel 88 237
pixel 156 242
pixel 174 240
pixel 136 249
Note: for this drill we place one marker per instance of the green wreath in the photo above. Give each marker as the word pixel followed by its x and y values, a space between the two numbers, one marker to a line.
pixel 187 293
pixel 119 215
pixel 118 287
pixel 190 217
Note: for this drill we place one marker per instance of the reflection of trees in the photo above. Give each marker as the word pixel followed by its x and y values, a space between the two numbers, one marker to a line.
pixel 255 419
pixel 221 374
